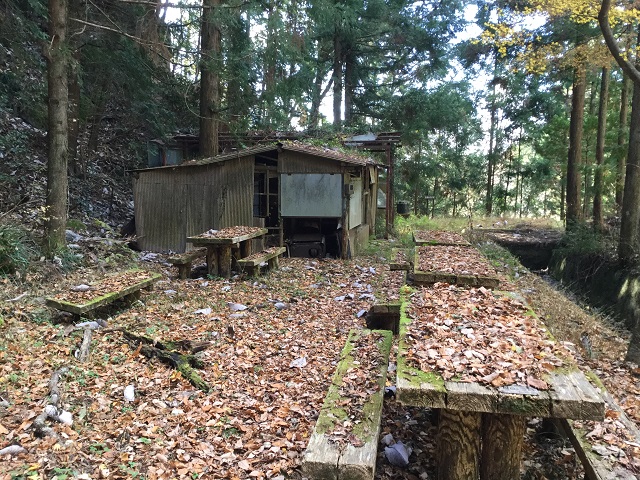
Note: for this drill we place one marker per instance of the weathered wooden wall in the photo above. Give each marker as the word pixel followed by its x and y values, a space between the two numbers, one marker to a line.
pixel 171 204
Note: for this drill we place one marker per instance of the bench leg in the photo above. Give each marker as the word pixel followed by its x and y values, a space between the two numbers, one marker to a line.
pixel 246 248
pixel 273 263
pixel 502 439
pixel 212 261
pixel 458 452
pixel 235 256
pixel 224 268
pixel 184 271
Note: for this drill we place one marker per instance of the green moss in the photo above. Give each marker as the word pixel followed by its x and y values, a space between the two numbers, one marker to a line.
pixel 331 413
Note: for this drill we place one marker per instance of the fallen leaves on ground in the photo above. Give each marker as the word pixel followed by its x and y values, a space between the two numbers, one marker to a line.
pixel 230 232
pixel 109 284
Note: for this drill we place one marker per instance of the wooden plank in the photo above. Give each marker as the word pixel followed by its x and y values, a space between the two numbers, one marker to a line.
pixel 471 397
pixel 79 309
pixel 399 260
pixel 596 466
pixel 525 401
pixel 187 257
pixel 324 459
pixel 200 240
pixel 572 396
pixel 420 393
pixel 258 258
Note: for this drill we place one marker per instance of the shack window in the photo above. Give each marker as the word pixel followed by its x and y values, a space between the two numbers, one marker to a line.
pixel 260 194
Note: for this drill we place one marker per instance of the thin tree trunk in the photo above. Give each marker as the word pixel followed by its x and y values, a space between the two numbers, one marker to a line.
pixel 209 79
pixel 622 137
pixel 337 80
pixel 492 148
pixel 57 135
pixel 598 217
pixel 575 144
pixel 74 113
pixel 349 76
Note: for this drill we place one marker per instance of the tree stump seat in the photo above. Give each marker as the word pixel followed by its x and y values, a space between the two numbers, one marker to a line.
pixel 184 261
pixel 104 292
pixel 269 257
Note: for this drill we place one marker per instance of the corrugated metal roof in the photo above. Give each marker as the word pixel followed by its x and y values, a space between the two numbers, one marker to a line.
pixel 352 158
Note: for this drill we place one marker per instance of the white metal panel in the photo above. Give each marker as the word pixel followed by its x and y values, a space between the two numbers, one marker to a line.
pixel 355 203
pixel 311 195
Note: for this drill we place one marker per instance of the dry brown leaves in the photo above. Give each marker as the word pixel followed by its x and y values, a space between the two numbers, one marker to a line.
pixel 453 259
pixel 110 284
pixel 475 335
pixel 256 421
pixel 437 237
pixel 230 232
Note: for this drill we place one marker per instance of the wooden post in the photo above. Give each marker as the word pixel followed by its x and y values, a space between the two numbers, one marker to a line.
pixel 212 260
pixel 235 255
pixel 502 438
pixel 246 248
pixel 224 267
pixel 458 452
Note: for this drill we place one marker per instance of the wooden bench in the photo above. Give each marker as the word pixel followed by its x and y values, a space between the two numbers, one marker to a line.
pixel 270 256
pixel 184 261
pixel 353 456
pixel 400 260
pixel 102 293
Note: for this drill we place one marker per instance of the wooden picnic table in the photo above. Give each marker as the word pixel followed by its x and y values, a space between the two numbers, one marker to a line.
pixel 447 362
pixel 226 246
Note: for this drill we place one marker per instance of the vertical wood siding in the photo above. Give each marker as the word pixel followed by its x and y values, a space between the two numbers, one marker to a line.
pixel 171 204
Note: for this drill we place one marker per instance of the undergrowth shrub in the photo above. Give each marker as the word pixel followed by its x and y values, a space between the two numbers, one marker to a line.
pixel 16 249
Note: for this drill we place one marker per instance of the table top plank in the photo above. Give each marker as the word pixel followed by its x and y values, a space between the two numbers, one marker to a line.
pixel 203 239
pixel 569 393
pixel 573 397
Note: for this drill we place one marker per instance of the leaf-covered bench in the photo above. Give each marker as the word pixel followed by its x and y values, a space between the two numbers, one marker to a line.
pixel 184 261
pixel 254 262
pixel 82 300
pixel 355 398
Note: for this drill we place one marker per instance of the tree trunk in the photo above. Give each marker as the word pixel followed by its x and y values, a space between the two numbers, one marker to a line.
pixel 622 137
pixel 74 113
pixel 349 76
pixel 575 144
pixel 629 227
pixel 337 80
pixel 209 79
pixel 598 217
pixel 57 135
pixel 491 156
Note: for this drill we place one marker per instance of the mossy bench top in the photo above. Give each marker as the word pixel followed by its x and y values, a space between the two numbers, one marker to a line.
pixel 453 264
pixel 345 440
pixel 482 351
pixel 260 257
pixel 437 237
pixel 103 292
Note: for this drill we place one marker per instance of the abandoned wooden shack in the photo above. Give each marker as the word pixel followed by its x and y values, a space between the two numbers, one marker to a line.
pixel 316 201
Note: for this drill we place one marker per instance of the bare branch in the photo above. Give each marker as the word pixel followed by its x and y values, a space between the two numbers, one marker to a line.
pixel 612 44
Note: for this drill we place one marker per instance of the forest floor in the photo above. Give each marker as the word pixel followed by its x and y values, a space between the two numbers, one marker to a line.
pixel 264 397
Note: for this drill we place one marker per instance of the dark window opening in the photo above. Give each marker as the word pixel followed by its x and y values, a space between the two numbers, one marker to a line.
pixel 313 237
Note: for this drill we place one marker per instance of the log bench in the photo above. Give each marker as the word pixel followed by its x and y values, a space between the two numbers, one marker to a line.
pixel 103 292
pixel 332 452
pixel 254 262
pixel 184 261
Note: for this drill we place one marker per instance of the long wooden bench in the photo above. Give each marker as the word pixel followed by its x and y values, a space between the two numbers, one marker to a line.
pixel 83 302
pixel 400 260
pixel 332 452
pixel 254 262
pixel 184 261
